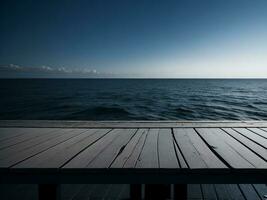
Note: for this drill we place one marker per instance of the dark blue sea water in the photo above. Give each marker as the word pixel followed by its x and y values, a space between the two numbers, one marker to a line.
pixel 133 99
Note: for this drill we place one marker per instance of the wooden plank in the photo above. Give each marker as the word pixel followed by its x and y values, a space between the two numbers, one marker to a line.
pixel 252 136
pixel 107 156
pixel 222 191
pixel 262 152
pixel 261 190
pixel 132 159
pixel 30 134
pixel 209 192
pixel 84 158
pixel 235 192
pixel 6 133
pixel 16 157
pixel 166 150
pixel 194 192
pixel 188 149
pixel 181 159
pixel 249 192
pixel 260 132
pixel 196 152
pixel 121 159
pixel 242 150
pixel 149 155
pixel 130 124
pixel 58 155
pixel 224 148
pixel 30 143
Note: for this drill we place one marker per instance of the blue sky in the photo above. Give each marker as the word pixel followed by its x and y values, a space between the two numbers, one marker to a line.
pixel 160 38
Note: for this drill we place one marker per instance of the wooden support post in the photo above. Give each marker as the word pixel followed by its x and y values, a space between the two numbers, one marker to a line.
pixel 136 191
pixel 49 191
pixel 180 191
pixel 157 191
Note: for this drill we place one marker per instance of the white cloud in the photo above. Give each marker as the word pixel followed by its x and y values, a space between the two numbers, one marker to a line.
pixel 46 71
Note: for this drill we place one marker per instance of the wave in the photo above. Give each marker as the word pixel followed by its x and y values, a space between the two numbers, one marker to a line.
pixel 134 99
pixel 101 113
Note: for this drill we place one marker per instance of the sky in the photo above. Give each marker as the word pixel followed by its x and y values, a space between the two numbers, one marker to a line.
pixel 134 38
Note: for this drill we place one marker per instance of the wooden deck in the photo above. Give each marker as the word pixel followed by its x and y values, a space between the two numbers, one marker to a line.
pixel 68 152
pixel 133 152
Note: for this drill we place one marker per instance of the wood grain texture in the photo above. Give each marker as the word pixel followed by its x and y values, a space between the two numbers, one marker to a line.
pixel 257 149
pixel 128 151
pixel 166 149
pixel 17 153
pixel 83 159
pixel 173 151
pixel 229 150
pixel 253 136
pixel 149 157
pixel 58 155
pixel 196 152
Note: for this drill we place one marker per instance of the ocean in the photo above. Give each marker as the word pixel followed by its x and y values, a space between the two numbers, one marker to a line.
pixel 133 99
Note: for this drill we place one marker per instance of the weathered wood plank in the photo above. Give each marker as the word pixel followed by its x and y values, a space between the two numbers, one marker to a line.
pixel 14 157
pixel 133 158
pixel 209 192
pixel 260 132
pixel 222 191
pixel 242 150
pixel 228 149
pixel 58 155
pixel 249 192
pixel 30 134
pixel 259 150
pixel 107 156
pixel 181 159
pixel 261 190
pixel 7 133
pixel 235 192
pixel 194 192
pixel 252 136
pixel 90 153
pixel 196 152
pixel 166 150
pixel 149 155
pixel 156 153
pixel 121 159
pixel 32 142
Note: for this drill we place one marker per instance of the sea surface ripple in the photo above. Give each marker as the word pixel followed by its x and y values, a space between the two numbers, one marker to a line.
pixel 134 99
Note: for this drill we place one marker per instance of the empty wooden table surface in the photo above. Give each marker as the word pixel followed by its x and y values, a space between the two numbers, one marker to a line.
pixel 163 152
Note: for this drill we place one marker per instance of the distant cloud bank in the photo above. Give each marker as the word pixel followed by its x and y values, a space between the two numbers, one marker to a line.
pixel 17 71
